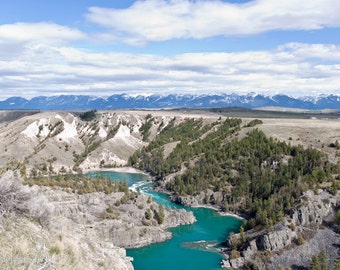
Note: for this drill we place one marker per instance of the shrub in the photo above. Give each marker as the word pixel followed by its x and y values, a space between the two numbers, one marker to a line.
pixel 88 116
pixel 254 123
pixel 234 254
pixel 54 250
pixel 337 217
pixel 300 239
pixel 12 193
pixel 148 214
pixel 109 213
pixel 160 215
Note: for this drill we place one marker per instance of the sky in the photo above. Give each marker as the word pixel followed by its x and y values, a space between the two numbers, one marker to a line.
pixel 106 47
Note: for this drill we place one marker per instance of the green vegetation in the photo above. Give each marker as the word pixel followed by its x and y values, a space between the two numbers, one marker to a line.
pixel 159 215
pixel 88 115
pixel 113 132
pixel 337 217
pixel 319 262
pixel 254 122
pixel 255 175
pixel 145 128
pixel 151 158
pixel 337 264
pixel 109 213
pixel 80 184
pixel 55 250
pixel 336 145
pixel 79 158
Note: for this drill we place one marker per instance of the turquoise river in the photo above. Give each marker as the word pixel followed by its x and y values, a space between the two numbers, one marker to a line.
pixel 192 246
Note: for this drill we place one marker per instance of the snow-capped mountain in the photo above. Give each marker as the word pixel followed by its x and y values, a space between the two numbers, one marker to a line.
pixel 125 101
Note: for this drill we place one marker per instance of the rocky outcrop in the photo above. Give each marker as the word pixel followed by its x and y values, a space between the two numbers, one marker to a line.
pixel 295 240
pixel 135 237
pixel 186 201
pixel 123 223
pixel 278 239
pixel 300 255
pixel 314 208
pixel 52 142
pixel 208 197
pixel 177 217
pixel 91 230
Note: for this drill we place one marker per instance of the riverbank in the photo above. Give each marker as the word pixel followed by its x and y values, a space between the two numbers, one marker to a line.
pixel 219 211
pixel 173 198
pixel 191 245
pixel 122 170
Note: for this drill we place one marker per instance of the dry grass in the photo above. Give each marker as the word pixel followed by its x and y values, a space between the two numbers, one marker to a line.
pixel 317 133
pixel 24 245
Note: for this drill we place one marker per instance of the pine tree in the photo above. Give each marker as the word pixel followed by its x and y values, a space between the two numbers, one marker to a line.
pixel 315 264
pixel 323 260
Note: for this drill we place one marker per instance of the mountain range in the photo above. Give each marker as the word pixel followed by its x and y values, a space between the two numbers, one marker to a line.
pixel 126 101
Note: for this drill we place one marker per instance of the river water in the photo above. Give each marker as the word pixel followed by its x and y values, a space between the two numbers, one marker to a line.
pixel 193 247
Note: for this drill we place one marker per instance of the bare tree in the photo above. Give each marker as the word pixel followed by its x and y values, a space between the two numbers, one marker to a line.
pixel 11 192
pixel 16 197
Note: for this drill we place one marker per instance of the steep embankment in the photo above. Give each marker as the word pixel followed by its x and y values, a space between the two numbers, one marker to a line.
pixel 308 230
pixel 53 142
pixel 48 228
pixel 236 167
pixel 257 168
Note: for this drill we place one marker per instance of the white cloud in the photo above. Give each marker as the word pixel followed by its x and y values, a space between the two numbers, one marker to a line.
pixel 159 20
pixel 29 40
pixel 45 69
pixel 40 32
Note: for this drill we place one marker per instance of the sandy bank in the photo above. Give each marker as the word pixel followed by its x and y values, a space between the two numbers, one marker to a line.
pixel 217 209
pixel 123 170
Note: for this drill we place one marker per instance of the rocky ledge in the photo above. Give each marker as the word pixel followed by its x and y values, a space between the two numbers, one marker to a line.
pixel 126 222
pixel 306 232
pixel 79 231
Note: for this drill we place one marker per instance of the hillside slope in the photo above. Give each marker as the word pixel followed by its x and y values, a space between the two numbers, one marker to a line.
pixel 45 227
pixel 52 142
pixel 258 168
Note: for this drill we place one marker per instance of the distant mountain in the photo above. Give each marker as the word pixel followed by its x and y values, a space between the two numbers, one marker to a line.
pixel 125 101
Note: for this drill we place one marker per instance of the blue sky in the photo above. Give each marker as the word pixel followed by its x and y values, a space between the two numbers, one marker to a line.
pixel 105 47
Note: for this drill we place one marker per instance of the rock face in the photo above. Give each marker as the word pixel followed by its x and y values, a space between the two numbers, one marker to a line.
pixel 52 142
pixel 84 231
pixel 314 209
pixel 207 197
pixel 324 239
pixel 123 224
pixel 296 239
pixel 276 240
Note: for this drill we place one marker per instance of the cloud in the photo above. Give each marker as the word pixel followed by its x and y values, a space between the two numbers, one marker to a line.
pixel 293 68
pixel 45 32
pixel 160 20
pixel 21 40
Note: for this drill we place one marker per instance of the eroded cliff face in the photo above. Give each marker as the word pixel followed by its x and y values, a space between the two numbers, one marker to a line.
pixel 125 222
pixel 295 240
pixel 72 231
pixel 53 142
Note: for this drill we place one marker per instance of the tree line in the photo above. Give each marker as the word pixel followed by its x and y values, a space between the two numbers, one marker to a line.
pixel 256 175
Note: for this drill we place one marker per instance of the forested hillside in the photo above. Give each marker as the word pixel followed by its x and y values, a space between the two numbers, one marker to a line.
pixel 254 175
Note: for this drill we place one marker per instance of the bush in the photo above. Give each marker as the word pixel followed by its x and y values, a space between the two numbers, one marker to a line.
pixel 300 239
pixel 12 193
pixel 254 122
pixel 54 250
pixel 88 116
pixel 160 215
pixel 109 213
pixel 148 215
pixel 234 254
pixel 337 217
